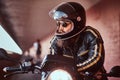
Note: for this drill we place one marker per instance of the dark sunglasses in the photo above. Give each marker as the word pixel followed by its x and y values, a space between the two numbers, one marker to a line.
pixel 64 24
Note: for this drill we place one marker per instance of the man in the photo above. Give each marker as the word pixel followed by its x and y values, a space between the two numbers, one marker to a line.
pixel 37 46
pixel 76 40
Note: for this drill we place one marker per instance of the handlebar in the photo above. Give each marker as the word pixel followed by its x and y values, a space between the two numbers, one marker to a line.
pixel 12 69
pixel 25 67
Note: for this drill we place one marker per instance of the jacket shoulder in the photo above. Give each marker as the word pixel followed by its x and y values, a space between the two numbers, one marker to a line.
pixel 92 31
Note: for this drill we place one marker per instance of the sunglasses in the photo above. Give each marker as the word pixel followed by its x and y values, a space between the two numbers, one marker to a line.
pixel 63 23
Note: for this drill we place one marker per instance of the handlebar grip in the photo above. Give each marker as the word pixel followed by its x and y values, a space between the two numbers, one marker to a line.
pixel 12 69
pixel 26 66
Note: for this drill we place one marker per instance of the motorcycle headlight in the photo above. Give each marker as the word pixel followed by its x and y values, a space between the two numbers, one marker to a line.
pixel 60 74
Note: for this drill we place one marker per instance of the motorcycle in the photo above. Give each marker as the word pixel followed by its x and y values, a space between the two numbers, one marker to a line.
pixel 54 67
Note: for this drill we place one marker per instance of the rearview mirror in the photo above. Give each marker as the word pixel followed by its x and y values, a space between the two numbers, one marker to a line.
pixel 3 54
pixel 7 43
pixel 115 71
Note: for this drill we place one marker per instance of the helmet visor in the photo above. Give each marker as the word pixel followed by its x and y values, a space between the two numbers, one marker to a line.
pixel 58 15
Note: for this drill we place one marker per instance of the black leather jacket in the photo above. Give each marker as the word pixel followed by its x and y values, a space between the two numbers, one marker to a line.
pixel 86 48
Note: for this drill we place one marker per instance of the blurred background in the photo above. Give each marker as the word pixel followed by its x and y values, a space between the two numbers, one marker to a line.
pixel 28 22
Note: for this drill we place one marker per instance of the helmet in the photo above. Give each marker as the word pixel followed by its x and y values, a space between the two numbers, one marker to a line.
pixel 70 11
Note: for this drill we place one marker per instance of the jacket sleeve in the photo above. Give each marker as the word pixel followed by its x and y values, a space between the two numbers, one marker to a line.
pixel 93 52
